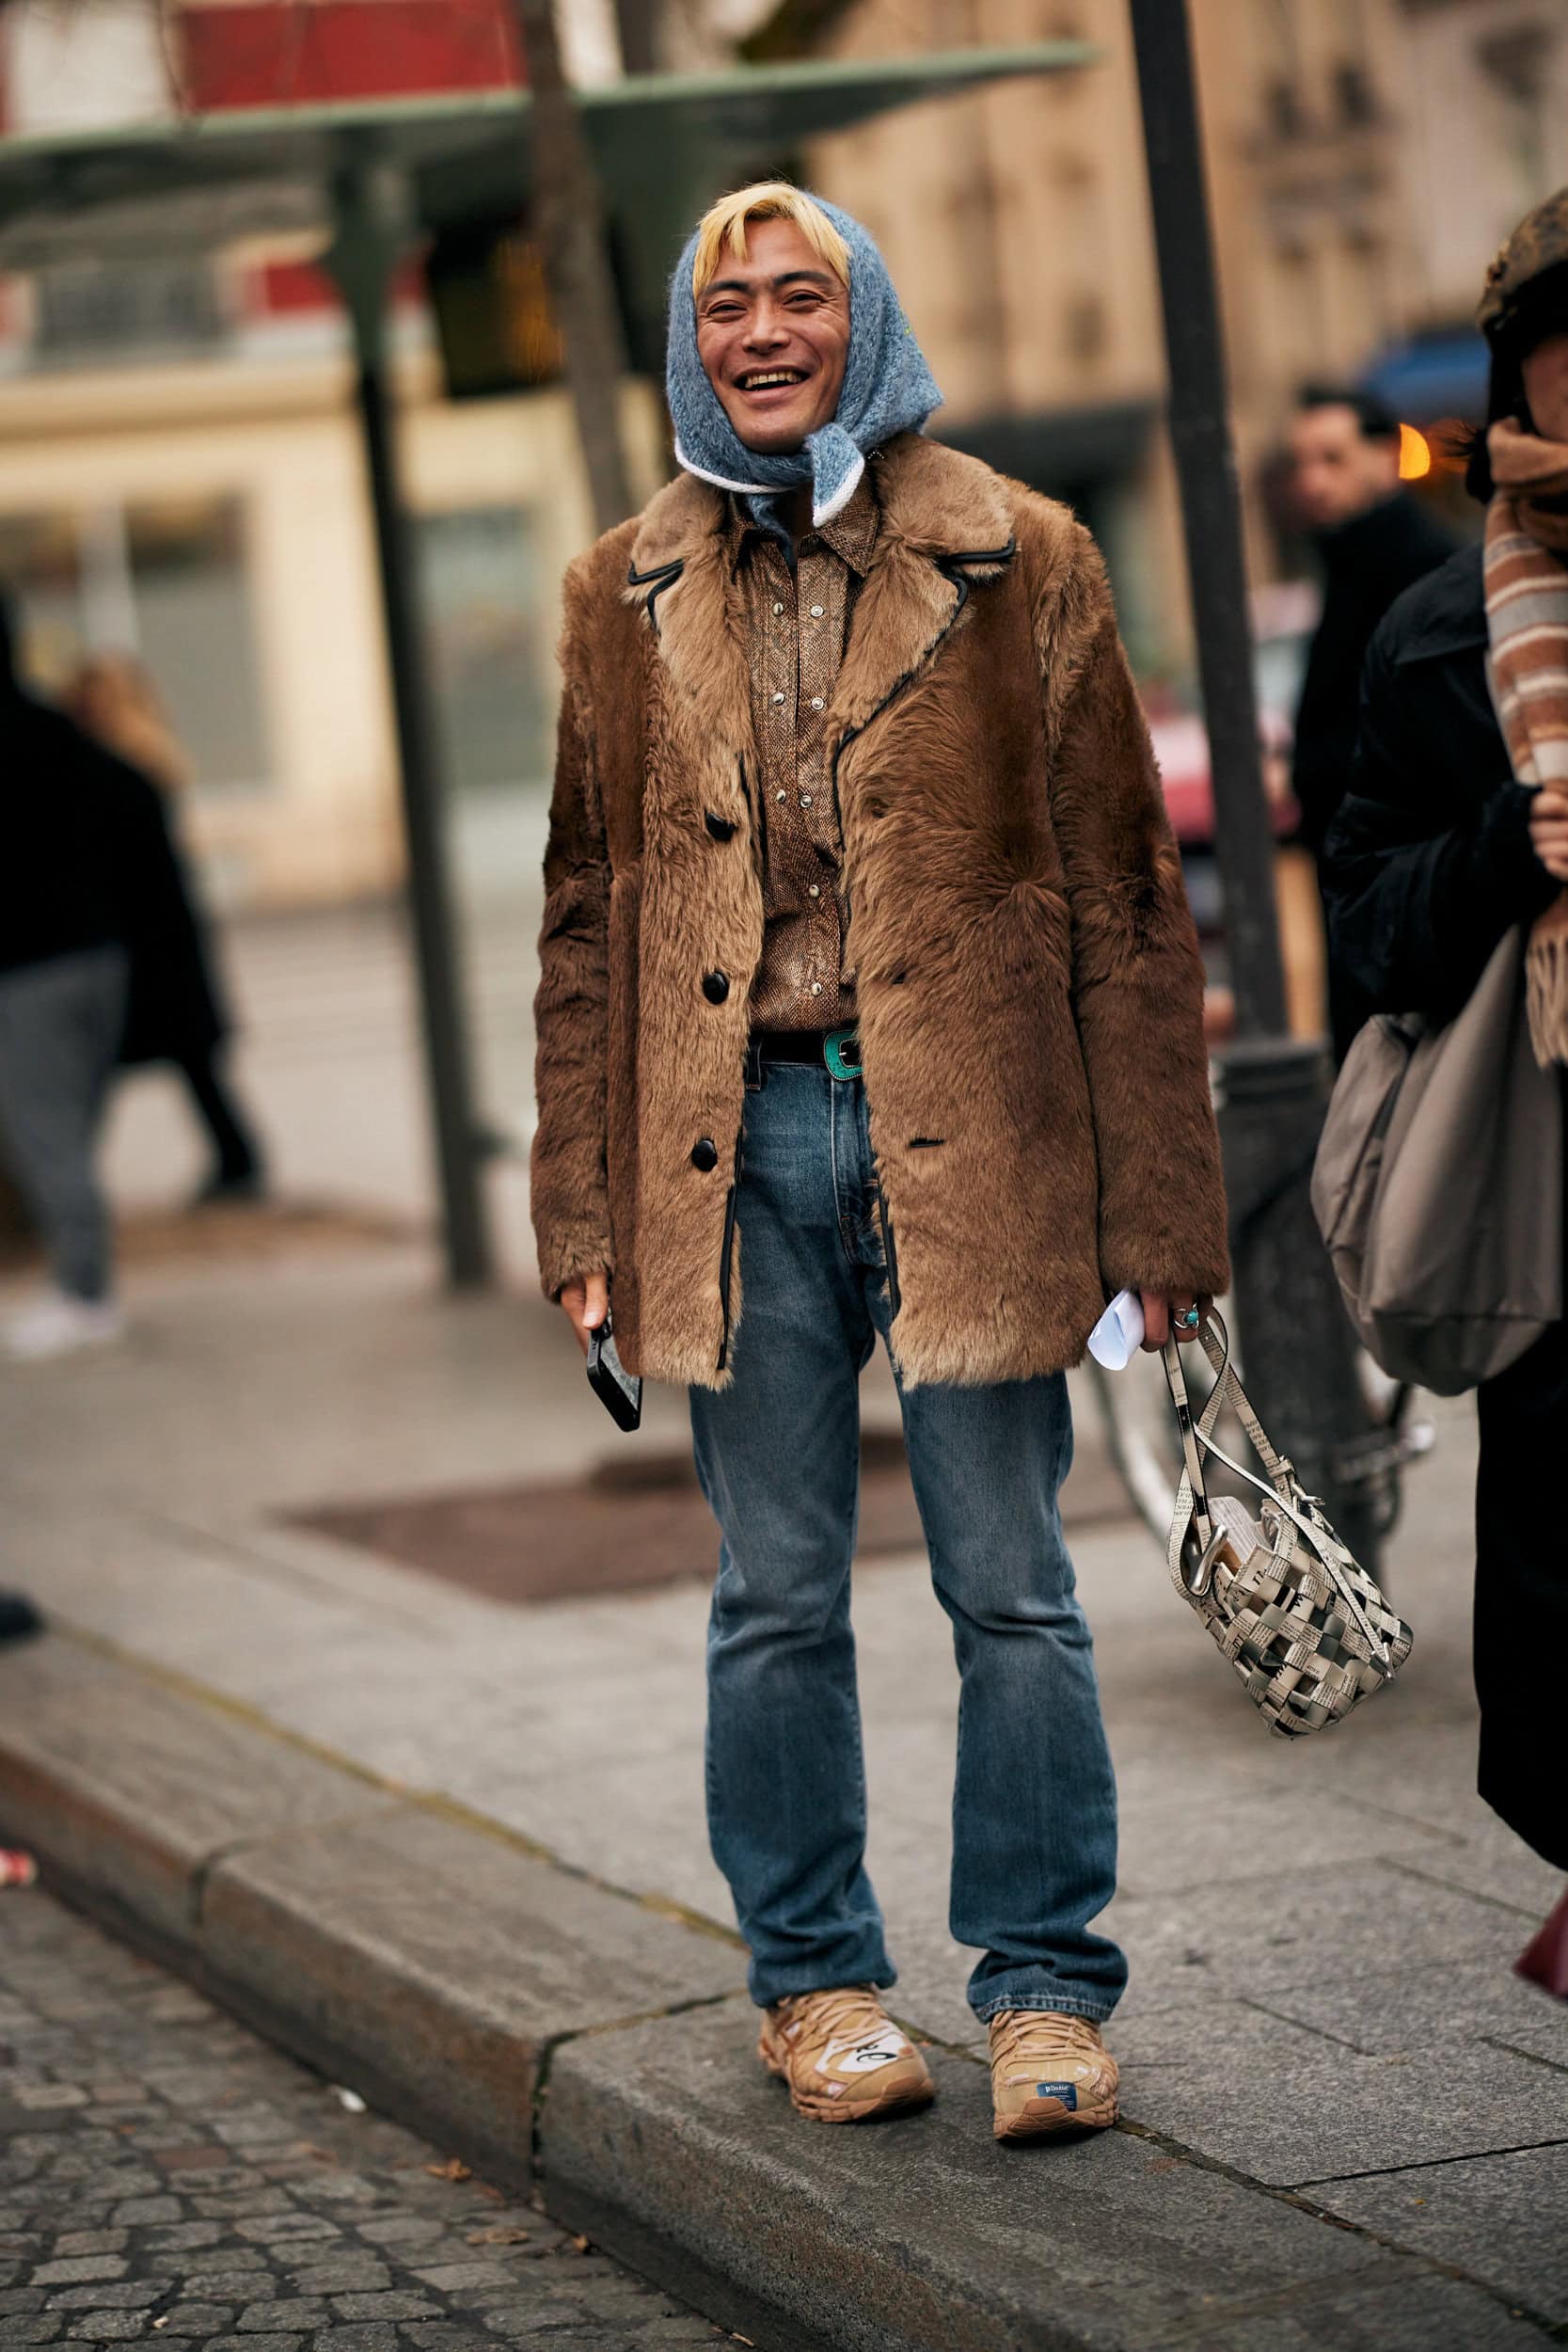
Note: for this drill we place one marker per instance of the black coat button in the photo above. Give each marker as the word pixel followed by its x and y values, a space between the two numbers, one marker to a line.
pixel 704 1154
pixel 716 985
pixel 719 827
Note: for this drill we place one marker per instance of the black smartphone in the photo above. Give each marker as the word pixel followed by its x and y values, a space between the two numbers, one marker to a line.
pixel 618 1391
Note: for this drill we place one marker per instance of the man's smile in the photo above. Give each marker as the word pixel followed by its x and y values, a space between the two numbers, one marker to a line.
pixel 770 379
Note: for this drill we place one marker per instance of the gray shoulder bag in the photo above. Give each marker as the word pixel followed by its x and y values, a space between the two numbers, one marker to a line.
pixel 1306 1629
pixel 1438 1187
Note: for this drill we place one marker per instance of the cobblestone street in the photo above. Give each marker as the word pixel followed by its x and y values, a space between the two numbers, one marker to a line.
pixel 164 2173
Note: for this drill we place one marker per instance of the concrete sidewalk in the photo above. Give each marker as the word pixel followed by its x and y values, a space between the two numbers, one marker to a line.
pixel 455 1850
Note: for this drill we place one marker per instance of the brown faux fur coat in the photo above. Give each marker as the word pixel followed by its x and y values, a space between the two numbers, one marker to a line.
pixel 1027 974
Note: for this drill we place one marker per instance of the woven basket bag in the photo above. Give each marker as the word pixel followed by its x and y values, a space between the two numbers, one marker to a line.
pixel 1305 1627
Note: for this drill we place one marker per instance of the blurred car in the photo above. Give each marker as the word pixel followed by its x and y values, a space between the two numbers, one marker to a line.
pixel 1283 619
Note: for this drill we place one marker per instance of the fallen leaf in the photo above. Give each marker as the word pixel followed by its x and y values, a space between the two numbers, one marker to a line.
pixel 453 2170
pixel 503 2235
pixel 581 2245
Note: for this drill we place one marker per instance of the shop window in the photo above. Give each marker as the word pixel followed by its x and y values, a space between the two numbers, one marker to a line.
pixel 168 582
pixel 190 588
pixel 485 615
pixel 94 313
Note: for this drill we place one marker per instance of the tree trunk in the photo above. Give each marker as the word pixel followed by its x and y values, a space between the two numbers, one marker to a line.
pixel 569 224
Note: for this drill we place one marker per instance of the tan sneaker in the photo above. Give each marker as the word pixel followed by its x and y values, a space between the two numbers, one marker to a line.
pixel 1049 2073
pixel 843 2057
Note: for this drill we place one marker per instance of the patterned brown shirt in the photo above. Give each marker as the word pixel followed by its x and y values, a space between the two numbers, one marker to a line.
pixel 797 625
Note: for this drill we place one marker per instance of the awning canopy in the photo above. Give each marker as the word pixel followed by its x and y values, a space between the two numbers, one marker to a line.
pixel 195 182
pixel 1433 376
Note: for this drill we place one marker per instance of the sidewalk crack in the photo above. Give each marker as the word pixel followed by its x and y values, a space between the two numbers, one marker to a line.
pixel 1380 2238
pixel 1434 2164
pixel 1452 1887
pixel 592 2033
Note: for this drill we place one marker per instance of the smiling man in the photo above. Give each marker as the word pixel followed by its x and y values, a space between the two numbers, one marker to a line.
pixel 870 993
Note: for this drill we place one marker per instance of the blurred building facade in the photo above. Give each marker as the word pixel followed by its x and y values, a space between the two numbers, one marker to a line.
pixel 180 473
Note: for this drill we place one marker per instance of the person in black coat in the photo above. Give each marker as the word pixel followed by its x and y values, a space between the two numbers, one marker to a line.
pixel 1435 852
pixel 1373 540
pixel 178 1012
pixel 99 956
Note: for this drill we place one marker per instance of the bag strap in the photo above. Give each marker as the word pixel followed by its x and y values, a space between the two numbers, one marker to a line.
pixel 1282 1492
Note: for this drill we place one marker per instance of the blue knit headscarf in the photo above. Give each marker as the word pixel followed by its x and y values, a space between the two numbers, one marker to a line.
pixel 887 389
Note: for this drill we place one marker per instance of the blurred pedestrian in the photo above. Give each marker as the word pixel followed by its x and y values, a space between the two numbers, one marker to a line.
pixel 1456 827
pixel 64 988
pixel 1373 540
pixel 835 662
pixel 178 1012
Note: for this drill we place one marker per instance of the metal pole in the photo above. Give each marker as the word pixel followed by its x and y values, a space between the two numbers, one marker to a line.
pixel 1300 1356
pixel 366 246
pixel 568 221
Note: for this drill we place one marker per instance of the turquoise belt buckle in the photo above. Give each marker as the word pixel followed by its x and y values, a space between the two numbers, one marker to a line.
pixel 841 1051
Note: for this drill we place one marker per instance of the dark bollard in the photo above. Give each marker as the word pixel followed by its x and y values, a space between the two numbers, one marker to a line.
pixel 1297 1349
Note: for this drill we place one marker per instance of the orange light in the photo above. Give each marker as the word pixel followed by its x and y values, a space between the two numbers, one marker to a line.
pixel 1415 455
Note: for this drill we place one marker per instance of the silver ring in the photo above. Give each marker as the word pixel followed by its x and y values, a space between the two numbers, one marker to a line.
pixel 1189 1322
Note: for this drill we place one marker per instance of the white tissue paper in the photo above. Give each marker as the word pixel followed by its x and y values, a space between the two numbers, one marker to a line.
pixel 1118 1335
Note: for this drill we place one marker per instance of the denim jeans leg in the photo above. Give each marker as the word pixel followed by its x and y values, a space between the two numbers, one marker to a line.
pixel 1034 1804
pixel 1034 1798
pixel 778 1455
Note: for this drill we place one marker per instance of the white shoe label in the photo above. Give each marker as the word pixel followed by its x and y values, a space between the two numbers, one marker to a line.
pixel 864 2057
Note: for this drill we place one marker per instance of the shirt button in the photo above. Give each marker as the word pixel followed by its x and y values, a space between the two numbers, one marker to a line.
pixel 813 890
pixel 780 795
pixel 716 987
pixel 705 1154
pixel 816 613
pixel 778 698
pixel 778 608
pixel 816 702
pixel 805 799
pixel 816 988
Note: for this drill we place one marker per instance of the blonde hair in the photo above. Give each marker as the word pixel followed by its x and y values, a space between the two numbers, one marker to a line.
pixel 113 698
pixel 723 228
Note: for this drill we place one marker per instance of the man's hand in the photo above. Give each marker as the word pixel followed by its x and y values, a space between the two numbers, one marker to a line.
pixel 1548 830
pixel 1159 1306
pixel 586 1303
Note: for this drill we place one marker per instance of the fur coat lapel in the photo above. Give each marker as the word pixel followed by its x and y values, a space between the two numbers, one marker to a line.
pixel 945 522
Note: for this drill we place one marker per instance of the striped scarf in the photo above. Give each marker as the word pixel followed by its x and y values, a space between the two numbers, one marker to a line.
pixel 1526 623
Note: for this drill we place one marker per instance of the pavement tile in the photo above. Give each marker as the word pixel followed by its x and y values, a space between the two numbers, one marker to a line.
pixel 1505 2216
pixel 1253 1934
pixel 1432 2010
pixel 1285 2105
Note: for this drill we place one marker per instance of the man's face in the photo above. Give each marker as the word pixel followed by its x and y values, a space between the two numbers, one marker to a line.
pixel 1338 472
pixel 1545 374
pixel 773 335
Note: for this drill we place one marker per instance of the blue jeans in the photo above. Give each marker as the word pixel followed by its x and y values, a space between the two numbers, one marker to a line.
pixel 1034 1807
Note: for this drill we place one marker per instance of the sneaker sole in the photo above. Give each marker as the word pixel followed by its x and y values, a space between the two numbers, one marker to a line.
pixel 902 2101
pixel 1048 2119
